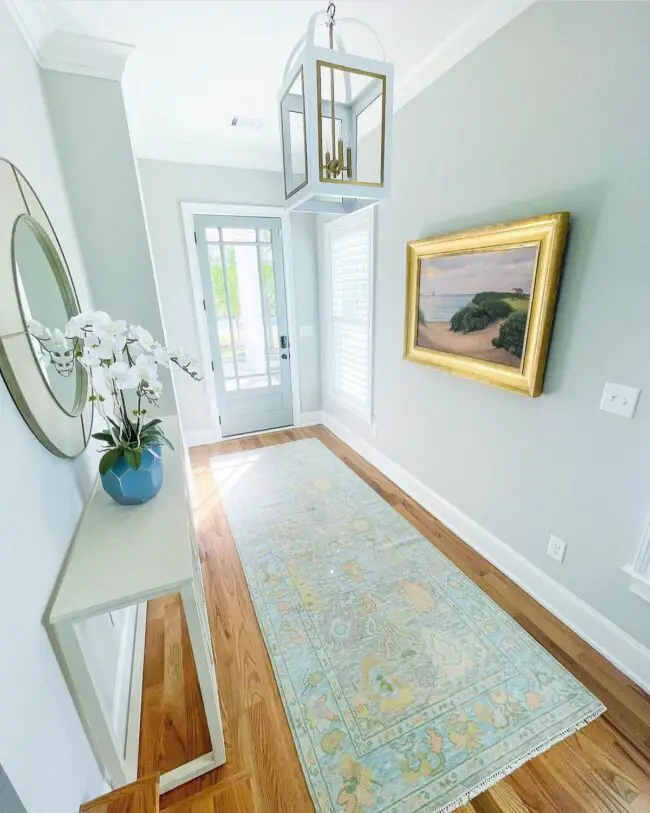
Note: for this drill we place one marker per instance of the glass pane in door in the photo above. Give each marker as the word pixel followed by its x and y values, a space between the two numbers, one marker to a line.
pixel 224 328
pixel 238 235
pixel 244 293
pixel 267 273
pixel 247 314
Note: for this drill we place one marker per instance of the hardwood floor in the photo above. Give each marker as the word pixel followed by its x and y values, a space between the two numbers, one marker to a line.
pixel 603 769
pixel 138 797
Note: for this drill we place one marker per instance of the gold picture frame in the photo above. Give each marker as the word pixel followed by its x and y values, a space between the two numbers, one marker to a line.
pixel 497 337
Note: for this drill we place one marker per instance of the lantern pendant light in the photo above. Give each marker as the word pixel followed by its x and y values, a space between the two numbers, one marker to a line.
pixel 336 121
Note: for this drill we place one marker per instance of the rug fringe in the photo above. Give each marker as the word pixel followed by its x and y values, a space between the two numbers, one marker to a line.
pixel 497 776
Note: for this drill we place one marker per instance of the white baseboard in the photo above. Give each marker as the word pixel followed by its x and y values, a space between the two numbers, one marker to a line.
pixel 312 418
pixel 204 437
pixel 625 652
pixel 201 437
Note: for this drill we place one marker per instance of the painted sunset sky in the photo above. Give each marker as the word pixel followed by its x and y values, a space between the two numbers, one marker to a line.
pixel 500 270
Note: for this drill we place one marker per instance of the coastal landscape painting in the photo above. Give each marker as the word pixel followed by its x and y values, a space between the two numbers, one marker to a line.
pixel 476 304
pixel 480 303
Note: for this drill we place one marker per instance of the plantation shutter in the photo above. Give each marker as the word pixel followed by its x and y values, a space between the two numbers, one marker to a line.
pixel 350 254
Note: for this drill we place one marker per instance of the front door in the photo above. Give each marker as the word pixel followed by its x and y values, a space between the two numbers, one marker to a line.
pixel 242 276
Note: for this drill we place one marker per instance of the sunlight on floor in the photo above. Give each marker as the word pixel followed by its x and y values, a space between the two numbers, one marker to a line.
pixel 227 473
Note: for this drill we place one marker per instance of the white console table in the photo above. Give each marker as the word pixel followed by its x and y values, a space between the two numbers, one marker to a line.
pixel 123 556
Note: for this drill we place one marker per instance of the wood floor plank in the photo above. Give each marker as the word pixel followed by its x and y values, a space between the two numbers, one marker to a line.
pixel 140 796
pixel 602 769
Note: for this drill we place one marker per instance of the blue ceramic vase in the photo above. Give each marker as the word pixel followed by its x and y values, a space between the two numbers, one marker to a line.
pixel 129 486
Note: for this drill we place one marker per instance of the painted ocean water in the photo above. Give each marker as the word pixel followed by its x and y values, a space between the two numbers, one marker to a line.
pixel 442 308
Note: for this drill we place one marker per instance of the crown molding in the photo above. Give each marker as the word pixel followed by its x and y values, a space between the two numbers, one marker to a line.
pixel 33 22
pixel 213 154
pixel 87 56
pixel 492 17
pixel 56 50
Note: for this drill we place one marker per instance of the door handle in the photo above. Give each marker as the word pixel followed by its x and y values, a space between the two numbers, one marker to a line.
pixel 284 342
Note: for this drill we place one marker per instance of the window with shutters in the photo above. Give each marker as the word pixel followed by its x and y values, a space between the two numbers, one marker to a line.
pixel 349 247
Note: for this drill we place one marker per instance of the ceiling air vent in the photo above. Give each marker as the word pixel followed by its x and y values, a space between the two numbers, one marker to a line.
pixel 247 123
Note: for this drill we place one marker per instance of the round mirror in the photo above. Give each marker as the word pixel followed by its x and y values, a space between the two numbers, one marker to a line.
pixel 37 299
pixel 46 306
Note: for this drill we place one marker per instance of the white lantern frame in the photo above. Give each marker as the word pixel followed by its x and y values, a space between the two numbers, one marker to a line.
pixel 330 194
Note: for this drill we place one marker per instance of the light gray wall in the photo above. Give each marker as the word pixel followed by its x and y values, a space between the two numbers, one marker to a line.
pixel 165 185
pixel 94 145
pixel 303 233
pixel 41 498
pixel 549 114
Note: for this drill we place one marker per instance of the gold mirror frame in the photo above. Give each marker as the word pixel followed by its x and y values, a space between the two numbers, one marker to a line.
pixel 64 433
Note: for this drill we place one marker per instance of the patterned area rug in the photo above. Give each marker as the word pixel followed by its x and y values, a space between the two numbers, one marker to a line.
pixel 406 687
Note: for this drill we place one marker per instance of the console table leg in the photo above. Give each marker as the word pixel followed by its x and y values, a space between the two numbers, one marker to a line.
pixel 205 670
pixel 94 717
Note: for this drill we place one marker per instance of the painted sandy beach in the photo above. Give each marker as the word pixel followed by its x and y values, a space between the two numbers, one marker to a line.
pixel 478 345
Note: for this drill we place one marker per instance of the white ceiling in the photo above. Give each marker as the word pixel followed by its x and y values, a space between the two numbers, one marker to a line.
pixel 199 63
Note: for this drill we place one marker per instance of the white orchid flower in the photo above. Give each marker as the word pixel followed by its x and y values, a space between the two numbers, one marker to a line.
pixel 59 341
pixel 90 356
pixel 113 333
pixel 79 326
pixel 38 330
pixel 124 376
pixel 75 327
pixel 109 349
pixel 161 355
pixel 142 337
pixel 145 368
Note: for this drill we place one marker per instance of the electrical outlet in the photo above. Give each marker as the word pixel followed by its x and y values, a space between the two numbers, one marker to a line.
pixel 556 549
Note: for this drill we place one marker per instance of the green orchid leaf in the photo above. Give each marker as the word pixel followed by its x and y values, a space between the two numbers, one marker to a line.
pixel 152 423
pixel 109 459
pixel 161 440
pixel 165 442
pixel 133 457
pixel 105 436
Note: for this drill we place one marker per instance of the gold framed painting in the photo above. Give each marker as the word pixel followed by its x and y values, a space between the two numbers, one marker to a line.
pixel 480 303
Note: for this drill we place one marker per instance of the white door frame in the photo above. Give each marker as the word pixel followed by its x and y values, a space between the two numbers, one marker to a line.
pixel 188 210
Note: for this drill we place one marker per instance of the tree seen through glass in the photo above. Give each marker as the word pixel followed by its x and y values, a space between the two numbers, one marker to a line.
pixel 232 297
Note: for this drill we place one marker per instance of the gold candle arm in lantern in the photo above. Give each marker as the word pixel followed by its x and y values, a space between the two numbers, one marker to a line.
pixel 327 163
pixel 340 157
pixel 349 161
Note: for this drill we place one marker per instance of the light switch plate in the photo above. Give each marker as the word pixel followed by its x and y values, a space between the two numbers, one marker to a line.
pixel 306 331
pixel 620 399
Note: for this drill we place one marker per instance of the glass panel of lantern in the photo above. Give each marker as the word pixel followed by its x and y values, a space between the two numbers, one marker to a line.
pixel 294 136
pixel 352 149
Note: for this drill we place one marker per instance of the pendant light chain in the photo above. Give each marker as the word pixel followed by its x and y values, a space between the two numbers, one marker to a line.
pixel 331 11
pixel 331 165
